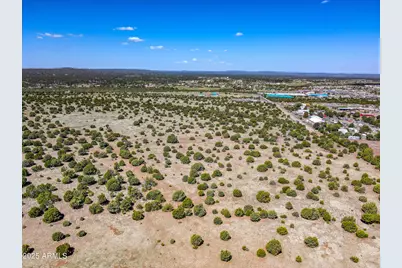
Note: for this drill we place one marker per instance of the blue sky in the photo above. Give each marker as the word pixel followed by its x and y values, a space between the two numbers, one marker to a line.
pixel 256 35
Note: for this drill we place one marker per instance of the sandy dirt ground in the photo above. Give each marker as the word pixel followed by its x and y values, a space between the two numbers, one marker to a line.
pixel 118 241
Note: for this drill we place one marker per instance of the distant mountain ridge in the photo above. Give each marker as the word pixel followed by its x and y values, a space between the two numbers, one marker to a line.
pixel 68 70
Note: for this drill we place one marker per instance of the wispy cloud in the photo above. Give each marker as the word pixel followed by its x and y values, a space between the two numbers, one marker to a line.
pixel 184 61
pixel 135 39
pixel 325 1
pixel 50 35
pixel 39 37
pixel 128 28
pixel 225 50
pixel 209 50
pixel 156 47
pixel 194 59
pixel 194 49
pixel 75 35
pixel 124 43
pixel 239 34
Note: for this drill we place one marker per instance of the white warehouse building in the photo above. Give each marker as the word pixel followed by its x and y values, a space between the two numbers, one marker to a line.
pixel 315 119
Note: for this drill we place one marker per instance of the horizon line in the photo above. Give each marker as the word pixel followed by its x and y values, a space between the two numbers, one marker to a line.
pixel 155 70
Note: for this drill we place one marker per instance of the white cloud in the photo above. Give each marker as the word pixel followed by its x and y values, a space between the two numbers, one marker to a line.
pixel 194 59
pixel 156 47
pixel 325 1
pixel 39 37
pixel 50 35
pixel 194 49
pixel 135 39
pixel 124 43
pixel 184 61
pixel 225 50
pixel 128 28
pixel 209 50
pixel 239 34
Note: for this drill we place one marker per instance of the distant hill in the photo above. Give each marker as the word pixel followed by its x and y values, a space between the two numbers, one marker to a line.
pixel 113 73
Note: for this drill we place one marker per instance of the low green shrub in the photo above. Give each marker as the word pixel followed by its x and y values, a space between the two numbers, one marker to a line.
pixel 272 214
pixel 361 234
pixel 81 233
pixel 95 208
pixel 310 214
pixel 196 241
pixel 349 226
pixel 311 242
pixel 255 217
pixel 370 218
pixel 26 249
pixel 226 255
pixel 64 250
pixel 179 196
pixel 35 212
pixel 274 247
pixel 261 253
pixel 225 212
pixel 283 180
pixel 225 236
pixel 52 215
pixel 263 197
pixel 199 210
pixel 218 221
pixel 179 213
pixel 187 203
pixel 58 236
pixel 209 200
pixel 262 168
pixel 370 208
pixel 376 188
pixel 239 212
pixel 282 230
pixel 237 193
pixel 354 259
pixel 137 215
pixel 263 214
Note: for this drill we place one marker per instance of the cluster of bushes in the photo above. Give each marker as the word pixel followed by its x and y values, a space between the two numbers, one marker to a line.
pixel 370 215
